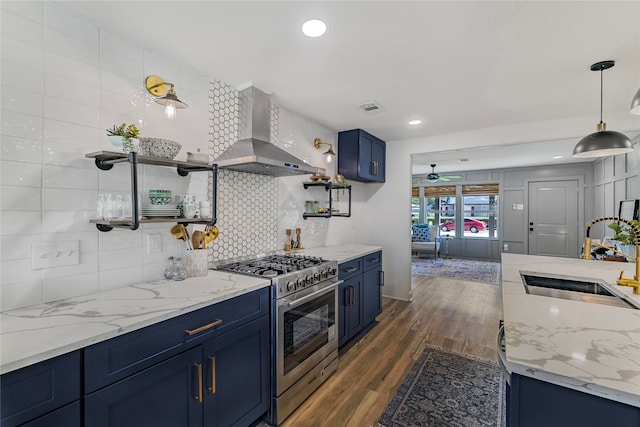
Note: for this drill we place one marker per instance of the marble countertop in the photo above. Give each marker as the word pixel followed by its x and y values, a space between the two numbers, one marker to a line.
pixel 581 345
pixel 340 253
pixel 32 334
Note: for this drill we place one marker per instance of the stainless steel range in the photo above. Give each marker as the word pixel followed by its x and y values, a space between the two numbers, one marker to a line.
pixel 304 324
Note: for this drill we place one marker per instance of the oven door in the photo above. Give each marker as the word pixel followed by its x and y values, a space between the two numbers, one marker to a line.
pixel 306 331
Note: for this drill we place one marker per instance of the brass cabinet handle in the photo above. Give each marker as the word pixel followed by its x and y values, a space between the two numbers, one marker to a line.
pixel 203 328
pixel 349 270
pixel 375 168
pixel 381 278
pixel 199 366
pixel 212 389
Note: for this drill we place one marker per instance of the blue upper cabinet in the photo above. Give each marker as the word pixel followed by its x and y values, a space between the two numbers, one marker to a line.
pixel 361 156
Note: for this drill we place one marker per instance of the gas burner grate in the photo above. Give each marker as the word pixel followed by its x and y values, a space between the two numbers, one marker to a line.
pixel 272 265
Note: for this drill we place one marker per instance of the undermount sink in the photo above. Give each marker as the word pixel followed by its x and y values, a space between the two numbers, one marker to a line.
pixel 576 289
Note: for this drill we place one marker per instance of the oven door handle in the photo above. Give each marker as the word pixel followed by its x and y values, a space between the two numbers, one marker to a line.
pixel 312 295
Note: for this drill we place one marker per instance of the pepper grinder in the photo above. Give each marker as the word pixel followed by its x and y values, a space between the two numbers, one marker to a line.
pixel 298 241
pixel 287 241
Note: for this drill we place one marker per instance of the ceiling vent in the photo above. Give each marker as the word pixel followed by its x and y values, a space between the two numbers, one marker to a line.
pixel 370 106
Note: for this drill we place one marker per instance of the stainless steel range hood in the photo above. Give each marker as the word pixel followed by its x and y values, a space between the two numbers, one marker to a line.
pixel 253 153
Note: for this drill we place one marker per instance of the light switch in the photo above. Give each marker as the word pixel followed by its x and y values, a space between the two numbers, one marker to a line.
pixel 55 254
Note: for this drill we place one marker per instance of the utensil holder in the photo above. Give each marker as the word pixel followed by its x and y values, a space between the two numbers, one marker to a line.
pixel 197 264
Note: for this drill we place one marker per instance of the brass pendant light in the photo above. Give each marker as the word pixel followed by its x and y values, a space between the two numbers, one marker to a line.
pixel 604 142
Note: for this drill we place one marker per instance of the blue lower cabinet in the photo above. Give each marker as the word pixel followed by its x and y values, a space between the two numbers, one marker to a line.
pixel 237 376
pixel 350 311
pixel 360 296
pixel 372 294
pixel 167 394
pixel 535 403
pixel 67 416
pixel 223 382
pixel 37 390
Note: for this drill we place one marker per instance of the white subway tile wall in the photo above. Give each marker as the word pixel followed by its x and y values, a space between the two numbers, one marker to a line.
pixel 64 80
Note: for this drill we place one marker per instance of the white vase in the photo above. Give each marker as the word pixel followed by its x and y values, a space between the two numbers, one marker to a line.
pixel 117 141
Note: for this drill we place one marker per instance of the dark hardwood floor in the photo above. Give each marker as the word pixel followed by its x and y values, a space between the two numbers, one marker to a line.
pixel 455 315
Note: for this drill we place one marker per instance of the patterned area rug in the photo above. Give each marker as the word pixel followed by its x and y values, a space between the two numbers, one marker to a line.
pixel 447 389
pixel 459 269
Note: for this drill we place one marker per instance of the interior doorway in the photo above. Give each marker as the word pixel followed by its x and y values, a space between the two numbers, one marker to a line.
pixel 553 218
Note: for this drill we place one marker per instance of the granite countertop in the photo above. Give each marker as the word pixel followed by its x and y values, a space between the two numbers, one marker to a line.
pixel 585 346
pixel 32 334
pixel 340 253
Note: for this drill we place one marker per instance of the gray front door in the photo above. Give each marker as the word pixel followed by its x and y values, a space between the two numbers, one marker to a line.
pixel 553 218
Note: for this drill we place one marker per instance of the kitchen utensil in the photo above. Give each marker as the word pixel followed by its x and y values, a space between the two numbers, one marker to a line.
pixel 210 235
pixel 197 239
pixel 180 232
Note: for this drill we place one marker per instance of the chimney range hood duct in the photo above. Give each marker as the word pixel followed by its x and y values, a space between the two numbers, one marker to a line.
pixel 253 153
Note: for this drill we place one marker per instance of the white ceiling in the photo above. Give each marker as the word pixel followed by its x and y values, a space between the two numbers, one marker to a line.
pixel 457 66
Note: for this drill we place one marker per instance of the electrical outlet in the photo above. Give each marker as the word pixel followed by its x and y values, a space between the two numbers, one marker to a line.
pixel 154 244
pixel 505 247
pixel 55 254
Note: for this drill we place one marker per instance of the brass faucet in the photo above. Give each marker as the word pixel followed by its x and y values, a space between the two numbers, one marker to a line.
pixel 622 281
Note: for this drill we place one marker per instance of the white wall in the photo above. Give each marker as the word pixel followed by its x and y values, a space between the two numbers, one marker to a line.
pixel 391 202
pixel 64 81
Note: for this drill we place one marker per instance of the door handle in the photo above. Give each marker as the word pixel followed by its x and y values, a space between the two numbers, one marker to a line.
pixel 381 278
pixel 199 396
pixel 212 389
pixel 352 295
pixel 203 328
pixel 306 298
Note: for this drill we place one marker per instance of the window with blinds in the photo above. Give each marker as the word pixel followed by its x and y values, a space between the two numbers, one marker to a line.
pixel 437 205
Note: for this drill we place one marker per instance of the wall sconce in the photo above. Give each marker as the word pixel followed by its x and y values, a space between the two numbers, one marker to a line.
pixel 329 153
pixel 157 87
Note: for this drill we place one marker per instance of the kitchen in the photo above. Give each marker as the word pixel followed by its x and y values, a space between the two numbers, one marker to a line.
pixel 91 76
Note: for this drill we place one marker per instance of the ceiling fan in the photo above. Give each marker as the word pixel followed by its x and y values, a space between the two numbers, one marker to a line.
pixel 435 177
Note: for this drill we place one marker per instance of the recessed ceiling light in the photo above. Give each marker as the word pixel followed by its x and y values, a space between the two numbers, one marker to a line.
pixel 415 122
pixel 314 28
pixel 557 157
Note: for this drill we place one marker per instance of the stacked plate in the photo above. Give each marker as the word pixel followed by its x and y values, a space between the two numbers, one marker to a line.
pixel 160 211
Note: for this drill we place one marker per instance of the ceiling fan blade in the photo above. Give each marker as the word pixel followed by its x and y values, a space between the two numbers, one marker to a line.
pixel 451 176
pixel 444 178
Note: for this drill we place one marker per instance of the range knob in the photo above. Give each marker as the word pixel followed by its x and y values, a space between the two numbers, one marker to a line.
pixel 332 271
pixel 324 274
pixel 300 283
pixel 316 277
pixel 309 280
pixel 291 286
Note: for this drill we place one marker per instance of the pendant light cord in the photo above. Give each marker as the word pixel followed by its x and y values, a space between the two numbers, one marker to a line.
pixel 601 94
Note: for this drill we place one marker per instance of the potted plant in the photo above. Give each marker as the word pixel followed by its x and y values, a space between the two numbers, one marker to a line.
pixel 123 137
pixel 625 236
